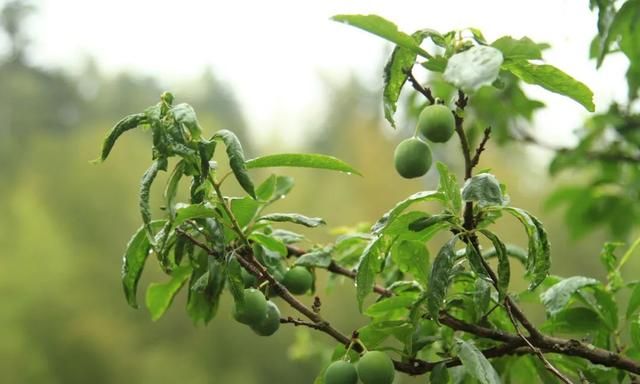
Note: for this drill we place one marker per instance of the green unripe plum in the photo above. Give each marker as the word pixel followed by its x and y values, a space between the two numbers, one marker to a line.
pixel 270 324
pixel 436 123
pixel 253 309
pixel 298 280
pixel 376 367
pixel 412 158
pixel 341 372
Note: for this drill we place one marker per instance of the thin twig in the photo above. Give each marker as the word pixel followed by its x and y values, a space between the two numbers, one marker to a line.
pixel 537 351
pixel 426 92
pixel 481 147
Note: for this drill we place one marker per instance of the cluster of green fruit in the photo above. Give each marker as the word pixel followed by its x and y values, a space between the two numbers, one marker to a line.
pixel 412 156
pixel 374 367
pixel 262 315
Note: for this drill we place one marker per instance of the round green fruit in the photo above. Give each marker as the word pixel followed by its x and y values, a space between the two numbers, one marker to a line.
pixel 412 158
pixel 341 372
pixel 253 309
pixel 376 367
pixel 436 123
pixel 298 280
pixel 270 324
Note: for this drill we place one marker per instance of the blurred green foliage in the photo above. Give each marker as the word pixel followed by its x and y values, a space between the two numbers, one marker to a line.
pixel 64 226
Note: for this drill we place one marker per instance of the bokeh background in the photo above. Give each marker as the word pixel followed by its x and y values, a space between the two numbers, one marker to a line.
pixel 283 77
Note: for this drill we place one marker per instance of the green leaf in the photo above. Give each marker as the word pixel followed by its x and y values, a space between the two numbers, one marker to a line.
pixel 384 28
pixel 635 332
pixel 412 257
pixel 551 79
pixel 235 153
pixel 186 212
pixel 126 124
pixel 205 287
pixel 172 188
pixel 269 243
pixel 134 259
pixel 392 214
pixel 185 116
pixel 542 263
pixel 610 261
pixel 235 280
pixel 368 266
pixel 634 301
pixel 244 210
pixel 475 261
pixel 504 268
pixel 302 160
pixel 295 218
pixel 145 187
pixel 522 49
pixel 317 258
pixel 476 364
pixel 512 250
pixel 449 188
pixel 160 296
pixel 436 64
pixel 483 189
pixel 557 297
pixel 395 76
pixel 439 278
pixel 604 304
pixel 439 374
pixel 577 320
pixel 390 304
pixel 539 250
pixel 428 221
pixel 287 237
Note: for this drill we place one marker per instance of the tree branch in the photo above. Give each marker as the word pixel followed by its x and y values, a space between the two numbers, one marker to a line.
pixel 472 239
pixel 426 92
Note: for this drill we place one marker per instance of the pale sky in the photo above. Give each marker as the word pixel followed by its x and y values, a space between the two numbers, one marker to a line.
pixel 272 52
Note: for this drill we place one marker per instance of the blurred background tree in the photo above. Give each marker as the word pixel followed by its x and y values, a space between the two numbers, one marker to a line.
pixel 64 226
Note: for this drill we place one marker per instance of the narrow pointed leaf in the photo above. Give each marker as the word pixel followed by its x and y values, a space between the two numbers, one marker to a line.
pixel 440 278
pixel 475 261
pixel 185 116
pixel 134 259
pixel 634 301
pixel 428 221
pixel 392 214
pixel 384 28
pixel 368 267
pixel 269 242
pixel 301 160
pixel 395 76
pixel 160 295
pixel 193 211
pixel 171 189
pixel 558 296
pixel 145 188
pixel 543 259
pixel 126 124
pixel 523 49
pixel 295 218
pixel 476 364
pixel 504 268
pixel 235 153
pixel 317 258
pixel 551 79
pixel 450 188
